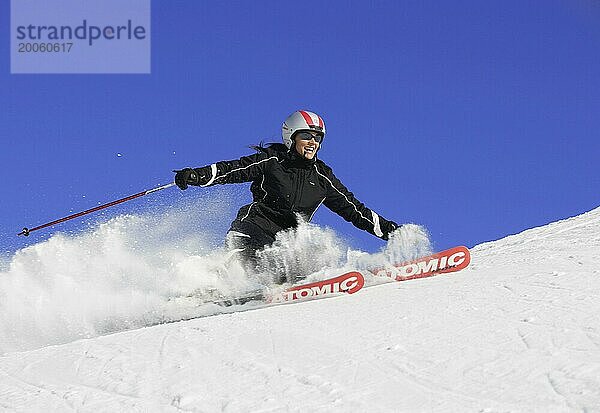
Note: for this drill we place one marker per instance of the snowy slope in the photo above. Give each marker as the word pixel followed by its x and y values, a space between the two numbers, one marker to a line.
pixel 518 331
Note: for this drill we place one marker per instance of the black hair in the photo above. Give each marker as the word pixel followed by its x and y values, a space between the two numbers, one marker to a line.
pixel 262 146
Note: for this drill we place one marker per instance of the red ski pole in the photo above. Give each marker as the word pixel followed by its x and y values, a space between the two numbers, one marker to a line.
pixel 26 230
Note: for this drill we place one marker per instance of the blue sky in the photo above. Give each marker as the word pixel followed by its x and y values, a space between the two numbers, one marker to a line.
pixel 475 119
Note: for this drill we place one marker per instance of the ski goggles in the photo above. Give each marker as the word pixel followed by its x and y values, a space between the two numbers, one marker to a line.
pixel 306 136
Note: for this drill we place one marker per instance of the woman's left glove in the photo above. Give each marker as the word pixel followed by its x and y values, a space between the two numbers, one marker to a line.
pixel 387 227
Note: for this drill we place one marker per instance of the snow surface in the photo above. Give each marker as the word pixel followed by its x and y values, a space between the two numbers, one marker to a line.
pixel 517 331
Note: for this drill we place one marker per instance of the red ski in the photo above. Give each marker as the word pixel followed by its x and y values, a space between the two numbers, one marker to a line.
pixel 452 260
pixel 349 283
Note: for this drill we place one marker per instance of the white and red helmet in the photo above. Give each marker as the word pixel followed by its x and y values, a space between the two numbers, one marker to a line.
pixel 301 120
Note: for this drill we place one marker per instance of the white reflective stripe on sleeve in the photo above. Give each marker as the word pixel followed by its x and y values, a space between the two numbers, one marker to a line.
pixel 345 197
pixel 246 167
pixel 237 234
pixel 213 171
pixel 376 227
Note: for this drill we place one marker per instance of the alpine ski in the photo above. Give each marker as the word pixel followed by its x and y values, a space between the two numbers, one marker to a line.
pixel 451 260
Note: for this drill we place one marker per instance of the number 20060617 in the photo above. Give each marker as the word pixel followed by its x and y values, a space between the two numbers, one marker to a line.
pixel 44 47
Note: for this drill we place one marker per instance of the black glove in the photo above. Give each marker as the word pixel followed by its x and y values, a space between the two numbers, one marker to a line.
pixel 186 176
pixel 190 176
pixel 387 227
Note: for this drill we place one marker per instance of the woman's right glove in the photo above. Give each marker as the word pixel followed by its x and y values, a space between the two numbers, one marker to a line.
pixel 191 176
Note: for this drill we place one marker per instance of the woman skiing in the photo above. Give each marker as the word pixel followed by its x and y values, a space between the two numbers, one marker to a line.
pixel 289 183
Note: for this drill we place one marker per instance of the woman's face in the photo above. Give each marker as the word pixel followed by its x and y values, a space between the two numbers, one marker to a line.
pixel 307 148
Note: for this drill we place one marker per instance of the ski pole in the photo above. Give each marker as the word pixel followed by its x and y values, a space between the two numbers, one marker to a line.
pixel 26 230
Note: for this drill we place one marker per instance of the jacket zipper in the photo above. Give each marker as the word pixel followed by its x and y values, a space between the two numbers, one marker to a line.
pixel 299 179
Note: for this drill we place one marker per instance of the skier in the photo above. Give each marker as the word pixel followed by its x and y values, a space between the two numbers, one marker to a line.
pixel 289 183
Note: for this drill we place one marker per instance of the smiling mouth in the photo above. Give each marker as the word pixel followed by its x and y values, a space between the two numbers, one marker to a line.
pixel 310 150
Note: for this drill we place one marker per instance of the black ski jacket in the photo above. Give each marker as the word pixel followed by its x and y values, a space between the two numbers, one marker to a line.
pixel 284 184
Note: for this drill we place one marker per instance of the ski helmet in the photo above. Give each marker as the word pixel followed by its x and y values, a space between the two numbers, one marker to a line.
pixel 301 120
